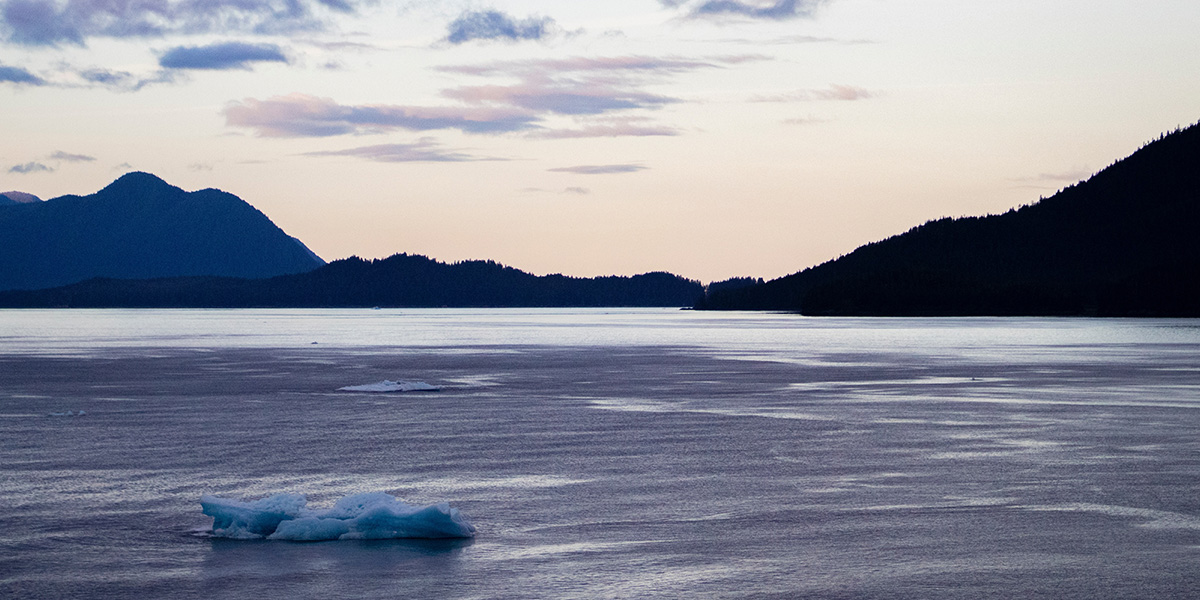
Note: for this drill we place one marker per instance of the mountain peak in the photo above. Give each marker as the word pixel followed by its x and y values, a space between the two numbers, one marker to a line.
pixel 141 227
pixel 15 197
pixel 139 182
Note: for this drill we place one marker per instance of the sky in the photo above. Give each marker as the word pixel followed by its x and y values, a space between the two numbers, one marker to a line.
pixel 708 138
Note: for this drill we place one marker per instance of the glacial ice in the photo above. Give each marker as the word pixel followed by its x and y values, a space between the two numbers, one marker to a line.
pixel 392 386
pixel 369 516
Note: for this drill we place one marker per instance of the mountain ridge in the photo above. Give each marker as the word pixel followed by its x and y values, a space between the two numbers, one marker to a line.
pixel 138 227
pixel 401 280
pixel 1121 243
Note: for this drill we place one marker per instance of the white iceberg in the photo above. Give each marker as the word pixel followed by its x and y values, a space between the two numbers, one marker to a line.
pixel 370 516
pixel 392 386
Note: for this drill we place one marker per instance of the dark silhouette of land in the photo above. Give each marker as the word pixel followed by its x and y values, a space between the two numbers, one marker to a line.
pixel 398 281
pixel 1126 242
pixel 141 227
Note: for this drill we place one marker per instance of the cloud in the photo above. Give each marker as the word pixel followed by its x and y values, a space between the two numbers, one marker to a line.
pixel 790 40
pixel 19 75
pixel 300 115
pixel 31 167
pixel 121 81
pixel 843 92
pixel 1070 176
pixel 620 127
pixel 227 55
pixel 561 97
pixel 599 169
pixel 54 22
pixel 424 150
pixel 593 90
pixel 68 157
pixel 65 76
pixel 576 191
pixel 773 10
pixel 804 121
pixel 494 25
pixel 833 92
pixel 613 64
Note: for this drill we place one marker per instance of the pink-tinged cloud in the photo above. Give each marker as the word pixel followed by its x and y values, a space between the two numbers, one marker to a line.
pixel 300 115
pixel 424 150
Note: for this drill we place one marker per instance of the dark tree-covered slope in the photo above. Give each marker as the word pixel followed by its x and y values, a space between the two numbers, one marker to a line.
pixel 1124 243
pixel 141 227
pixel 398 281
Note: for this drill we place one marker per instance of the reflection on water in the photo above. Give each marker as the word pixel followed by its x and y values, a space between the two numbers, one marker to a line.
pixel 605 454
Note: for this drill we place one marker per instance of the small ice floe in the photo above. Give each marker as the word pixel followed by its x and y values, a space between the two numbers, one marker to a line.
pixel 392 386
pixel 67 414
pixel 370 516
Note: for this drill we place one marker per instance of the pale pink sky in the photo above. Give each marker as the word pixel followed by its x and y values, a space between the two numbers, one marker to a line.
pixel 709 139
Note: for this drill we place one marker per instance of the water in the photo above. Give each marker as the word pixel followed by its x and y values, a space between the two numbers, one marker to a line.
pixel 605 454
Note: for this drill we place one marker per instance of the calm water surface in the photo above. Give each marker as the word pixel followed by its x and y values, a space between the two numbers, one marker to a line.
pixel 606 454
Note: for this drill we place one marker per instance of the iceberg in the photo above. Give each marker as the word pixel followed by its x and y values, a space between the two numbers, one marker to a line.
pixel 392 386
pixel 369 516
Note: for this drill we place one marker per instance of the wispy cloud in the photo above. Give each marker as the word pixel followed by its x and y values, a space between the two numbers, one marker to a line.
pixel 423 150
pixel 1042 180
pixel 790 40
pixel 611 64
pixel 804 121
pixel 19 76
pixel 608 127
pixel 833 92
pixel 121 81
pixel 53 22
pixel 597 92
pixel 227 55
pixel 300 115
pixel 68 157
pixel 773 10
pixel 30 167
pixel 593 90
pixel 573 190
pixel 599 169
pixel 561 97
pixel 493 25
pixel 66 76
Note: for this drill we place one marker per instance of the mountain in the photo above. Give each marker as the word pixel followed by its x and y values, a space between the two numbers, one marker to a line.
pixel 141 227
pixel 1126 242
pixel 398 281
pixel 10 198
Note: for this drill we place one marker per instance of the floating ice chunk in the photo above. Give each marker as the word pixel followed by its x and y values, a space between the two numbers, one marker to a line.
pixel 370 516
pixel 392 386
pixel 67 414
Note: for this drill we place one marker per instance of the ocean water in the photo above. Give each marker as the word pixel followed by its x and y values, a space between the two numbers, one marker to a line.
pixel 605 453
